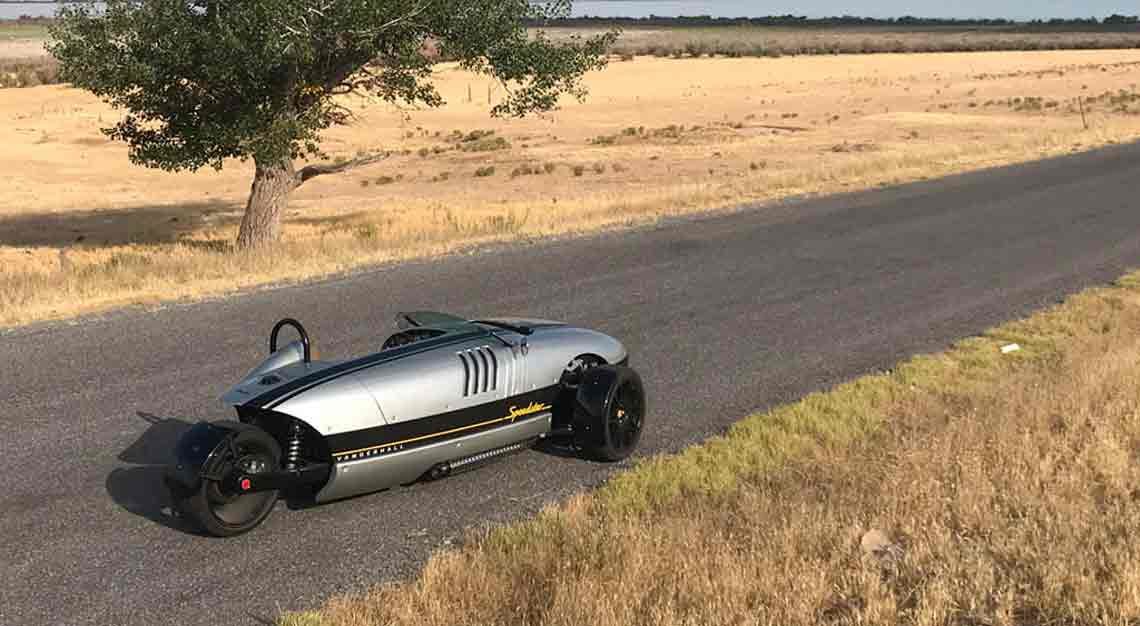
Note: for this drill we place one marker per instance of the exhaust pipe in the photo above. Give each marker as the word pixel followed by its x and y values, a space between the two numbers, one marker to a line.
pixel 462 464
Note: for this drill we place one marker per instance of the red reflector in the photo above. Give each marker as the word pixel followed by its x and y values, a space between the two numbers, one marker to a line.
pixel 245 484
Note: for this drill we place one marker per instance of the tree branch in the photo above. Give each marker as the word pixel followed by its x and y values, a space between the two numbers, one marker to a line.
pixel 311 171
pixel 372 32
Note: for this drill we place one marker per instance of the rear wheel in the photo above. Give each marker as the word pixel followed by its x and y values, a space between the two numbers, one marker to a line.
pixel 610 412
pixel 222 510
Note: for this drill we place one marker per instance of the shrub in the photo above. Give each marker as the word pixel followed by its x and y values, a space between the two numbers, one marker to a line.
pixel 28 73
pixel 367 231
pixel 485 144
pixel 29 78
pixel 48 75
pixel 671 131
pixel 484 172
pixel 476 135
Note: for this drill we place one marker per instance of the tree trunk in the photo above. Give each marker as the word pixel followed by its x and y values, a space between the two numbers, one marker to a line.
pixel 268 197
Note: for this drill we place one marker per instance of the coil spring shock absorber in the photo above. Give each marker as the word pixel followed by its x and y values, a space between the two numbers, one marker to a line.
pixel 295 444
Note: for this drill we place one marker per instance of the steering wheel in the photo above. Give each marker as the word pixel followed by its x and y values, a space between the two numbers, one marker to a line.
pixel 410 335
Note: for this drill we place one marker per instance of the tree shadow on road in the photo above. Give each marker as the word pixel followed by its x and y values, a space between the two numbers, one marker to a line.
pixel 139 488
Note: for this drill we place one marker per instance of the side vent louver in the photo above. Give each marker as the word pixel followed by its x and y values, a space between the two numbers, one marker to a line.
pixel 480 370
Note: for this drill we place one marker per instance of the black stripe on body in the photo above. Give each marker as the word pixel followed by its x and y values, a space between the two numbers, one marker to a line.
pixel 281 393
pixel 425 431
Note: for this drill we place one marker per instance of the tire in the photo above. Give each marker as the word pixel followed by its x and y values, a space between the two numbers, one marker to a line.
pixel 609 412
pixel 225 515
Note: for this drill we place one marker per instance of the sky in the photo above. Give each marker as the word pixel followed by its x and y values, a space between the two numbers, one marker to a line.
pixel 1016 9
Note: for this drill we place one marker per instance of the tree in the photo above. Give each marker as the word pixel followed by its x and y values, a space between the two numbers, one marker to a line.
pixel 202 81
pixel 1117 19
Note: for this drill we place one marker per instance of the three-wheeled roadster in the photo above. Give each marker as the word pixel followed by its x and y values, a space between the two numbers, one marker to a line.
pixel 442 395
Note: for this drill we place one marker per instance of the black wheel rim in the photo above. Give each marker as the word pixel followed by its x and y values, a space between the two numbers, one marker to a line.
pixel 626 417
pixel 239 509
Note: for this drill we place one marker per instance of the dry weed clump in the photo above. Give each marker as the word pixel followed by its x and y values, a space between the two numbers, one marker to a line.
pixel 972 487
pixel 28 73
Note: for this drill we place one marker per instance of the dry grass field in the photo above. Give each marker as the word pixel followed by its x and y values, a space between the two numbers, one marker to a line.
pixel 776 41
pixel 972 487
pixel 81 229
pixel 23 30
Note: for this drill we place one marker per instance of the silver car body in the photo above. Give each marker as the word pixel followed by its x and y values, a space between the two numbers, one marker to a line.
pixel 390 416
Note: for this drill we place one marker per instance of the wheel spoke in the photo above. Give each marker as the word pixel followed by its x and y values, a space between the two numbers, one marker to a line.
pixel 237 509
pixel 615 428
pixel 625 420
pixel 628 406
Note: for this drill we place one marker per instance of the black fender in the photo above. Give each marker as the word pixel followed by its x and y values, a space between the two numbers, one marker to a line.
pixel 594 397
pixel 200 450
pixel 278 425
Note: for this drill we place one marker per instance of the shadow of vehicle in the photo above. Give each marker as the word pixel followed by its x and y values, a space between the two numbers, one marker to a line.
pixel 140 488
pixel 560 449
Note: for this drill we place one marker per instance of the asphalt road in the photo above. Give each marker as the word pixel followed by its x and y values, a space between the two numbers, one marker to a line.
pixel 722 315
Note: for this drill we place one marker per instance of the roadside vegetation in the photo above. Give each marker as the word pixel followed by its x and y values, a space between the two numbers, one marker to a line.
pixel 977 486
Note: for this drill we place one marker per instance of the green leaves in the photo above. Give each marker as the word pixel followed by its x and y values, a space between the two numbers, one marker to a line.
pixel 207 80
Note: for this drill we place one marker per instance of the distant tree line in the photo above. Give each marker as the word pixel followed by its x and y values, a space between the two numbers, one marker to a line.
pixel 907 21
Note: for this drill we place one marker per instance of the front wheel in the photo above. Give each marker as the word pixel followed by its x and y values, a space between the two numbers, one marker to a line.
pixel 222 510
pixel 609 412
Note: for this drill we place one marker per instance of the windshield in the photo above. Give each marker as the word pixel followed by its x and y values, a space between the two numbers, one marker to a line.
pixel 450 323
pixel 432 319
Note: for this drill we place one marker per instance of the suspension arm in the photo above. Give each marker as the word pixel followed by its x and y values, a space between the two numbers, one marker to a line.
pixel 238 481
